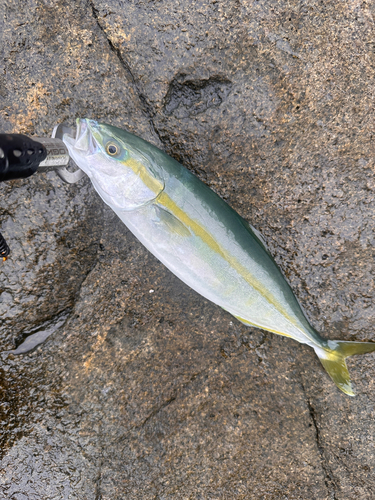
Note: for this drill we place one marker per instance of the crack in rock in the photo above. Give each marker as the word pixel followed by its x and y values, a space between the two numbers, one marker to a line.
pixel 328 479
pixel 98 495
pixel 175 395
pixel 158 409
pixel 145 106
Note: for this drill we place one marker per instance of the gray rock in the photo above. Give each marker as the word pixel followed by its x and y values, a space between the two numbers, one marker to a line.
pixel 161 395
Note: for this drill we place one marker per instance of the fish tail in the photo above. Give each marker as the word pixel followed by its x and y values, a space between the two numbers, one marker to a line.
pixel 333 355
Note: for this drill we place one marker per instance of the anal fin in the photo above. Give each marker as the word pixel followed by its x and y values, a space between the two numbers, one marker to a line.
pixel 248 323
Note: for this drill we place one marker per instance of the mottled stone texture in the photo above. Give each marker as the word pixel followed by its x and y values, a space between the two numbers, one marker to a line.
pixel 148 391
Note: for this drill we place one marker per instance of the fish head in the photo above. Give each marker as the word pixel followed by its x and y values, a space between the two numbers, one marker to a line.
pixel 121 173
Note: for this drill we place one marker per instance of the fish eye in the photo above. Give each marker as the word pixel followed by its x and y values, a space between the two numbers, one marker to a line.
pixel 112 149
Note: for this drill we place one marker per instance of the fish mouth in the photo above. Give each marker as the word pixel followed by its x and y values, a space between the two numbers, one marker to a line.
pixel 85 141
pixel 83 145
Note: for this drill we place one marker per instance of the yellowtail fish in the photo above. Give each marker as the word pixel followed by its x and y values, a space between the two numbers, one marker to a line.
pixel 200 238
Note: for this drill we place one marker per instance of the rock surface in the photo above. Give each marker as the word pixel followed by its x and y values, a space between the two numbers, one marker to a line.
pixel 144 390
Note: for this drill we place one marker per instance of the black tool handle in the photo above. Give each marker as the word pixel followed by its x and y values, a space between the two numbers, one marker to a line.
pixel 4 249
pixel 19 156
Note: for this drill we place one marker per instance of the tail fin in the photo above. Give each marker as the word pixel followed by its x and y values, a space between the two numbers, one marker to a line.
pixel 333 357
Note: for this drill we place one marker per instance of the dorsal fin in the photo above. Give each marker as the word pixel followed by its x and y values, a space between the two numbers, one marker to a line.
pixel 257 234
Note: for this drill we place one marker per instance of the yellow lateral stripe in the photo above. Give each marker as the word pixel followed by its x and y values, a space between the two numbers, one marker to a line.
pixel 147 179
pixel 168 203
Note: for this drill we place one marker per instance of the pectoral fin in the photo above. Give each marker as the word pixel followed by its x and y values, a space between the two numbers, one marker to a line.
pixel 172 222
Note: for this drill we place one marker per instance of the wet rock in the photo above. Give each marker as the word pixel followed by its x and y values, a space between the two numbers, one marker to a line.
pixel 146 390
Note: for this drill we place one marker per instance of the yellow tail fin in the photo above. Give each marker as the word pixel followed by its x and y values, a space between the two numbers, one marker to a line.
pixel 333 357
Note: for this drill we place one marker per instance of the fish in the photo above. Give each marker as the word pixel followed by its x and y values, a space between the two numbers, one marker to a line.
pixel 200 238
